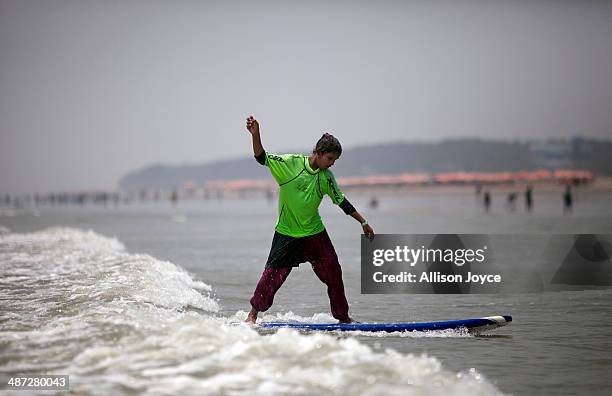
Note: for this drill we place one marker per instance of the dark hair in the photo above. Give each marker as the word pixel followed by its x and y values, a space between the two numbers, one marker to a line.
pixel 328 144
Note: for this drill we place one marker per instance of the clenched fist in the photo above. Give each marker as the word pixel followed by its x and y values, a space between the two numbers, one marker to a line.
pixel 252 125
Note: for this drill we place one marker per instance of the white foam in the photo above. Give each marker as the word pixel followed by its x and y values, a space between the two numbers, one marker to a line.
pixel 96 267
pixel 79 304
pixel 291 317
pixel 209 356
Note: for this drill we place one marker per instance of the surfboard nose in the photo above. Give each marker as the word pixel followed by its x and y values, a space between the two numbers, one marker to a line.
pixel 501 320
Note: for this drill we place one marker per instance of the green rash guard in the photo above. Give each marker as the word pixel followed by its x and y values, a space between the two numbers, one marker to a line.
pixel 300 194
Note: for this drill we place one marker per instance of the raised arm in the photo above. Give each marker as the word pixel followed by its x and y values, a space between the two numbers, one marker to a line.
pixel 253 127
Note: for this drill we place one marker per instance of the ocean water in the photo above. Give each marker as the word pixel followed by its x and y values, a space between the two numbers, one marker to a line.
pixel 150 299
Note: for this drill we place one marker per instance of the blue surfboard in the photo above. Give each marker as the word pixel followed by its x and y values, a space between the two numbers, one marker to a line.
pixel 475 325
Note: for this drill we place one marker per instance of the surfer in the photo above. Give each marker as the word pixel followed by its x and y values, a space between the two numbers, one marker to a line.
pixel 299 233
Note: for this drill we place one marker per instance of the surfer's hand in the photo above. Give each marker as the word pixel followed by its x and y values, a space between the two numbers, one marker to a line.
pixel 252 125
pixel 368 231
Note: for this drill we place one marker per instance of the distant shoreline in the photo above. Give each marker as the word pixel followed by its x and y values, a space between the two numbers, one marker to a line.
pixel 599 184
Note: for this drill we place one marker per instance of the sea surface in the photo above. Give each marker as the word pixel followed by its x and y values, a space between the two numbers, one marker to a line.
pixel 150 298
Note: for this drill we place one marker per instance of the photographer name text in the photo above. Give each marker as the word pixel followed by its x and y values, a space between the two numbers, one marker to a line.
pixel 435 277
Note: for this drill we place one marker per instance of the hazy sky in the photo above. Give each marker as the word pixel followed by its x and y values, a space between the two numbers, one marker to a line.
pixel 90 90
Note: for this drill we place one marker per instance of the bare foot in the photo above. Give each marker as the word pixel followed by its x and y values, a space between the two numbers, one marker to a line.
pixel 252 318
pixel 349 320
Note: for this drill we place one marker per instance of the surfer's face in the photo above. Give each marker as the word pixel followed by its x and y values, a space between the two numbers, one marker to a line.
pixel 326 160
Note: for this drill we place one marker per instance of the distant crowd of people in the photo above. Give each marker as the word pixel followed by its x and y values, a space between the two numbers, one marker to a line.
pixel 512 197
pixel 98 198
pixel 104 198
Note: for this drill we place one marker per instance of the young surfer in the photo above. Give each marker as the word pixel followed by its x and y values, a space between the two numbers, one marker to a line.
pixel 299 233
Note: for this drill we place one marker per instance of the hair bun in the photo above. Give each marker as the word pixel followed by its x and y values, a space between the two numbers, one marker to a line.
pixel 328 144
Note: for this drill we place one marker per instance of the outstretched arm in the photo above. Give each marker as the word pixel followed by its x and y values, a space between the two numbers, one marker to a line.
pixel 367 230
pixel 253 127
pixel 338 198
pixel 351 211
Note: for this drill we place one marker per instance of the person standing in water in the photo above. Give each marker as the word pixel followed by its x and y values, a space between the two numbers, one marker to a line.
pixel 486 200
pixel 567 199
pixel 529 198
pixel 299 233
